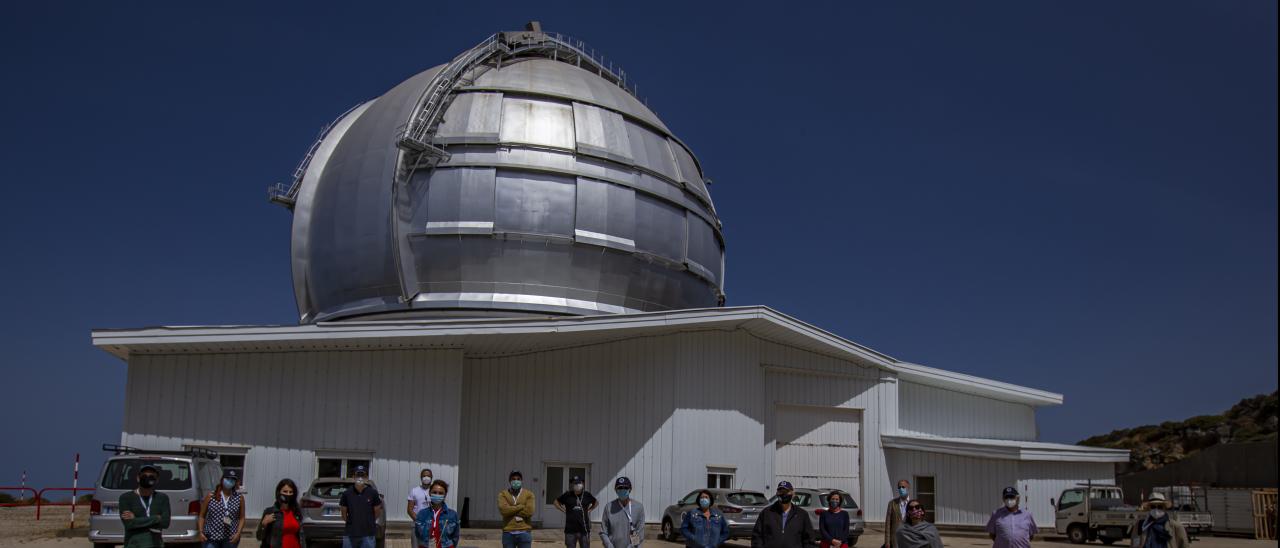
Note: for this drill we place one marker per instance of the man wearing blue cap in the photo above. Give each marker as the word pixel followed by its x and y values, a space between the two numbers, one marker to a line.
pixel 361 507
pixel 783 524
pixel 1010 526
pixel 622 524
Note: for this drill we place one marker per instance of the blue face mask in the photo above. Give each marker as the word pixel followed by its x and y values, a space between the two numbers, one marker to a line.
pixel 902 491
pixel 229 484
pixel 515 484
pixel 437 499
pixel 624 493
pixel 704 502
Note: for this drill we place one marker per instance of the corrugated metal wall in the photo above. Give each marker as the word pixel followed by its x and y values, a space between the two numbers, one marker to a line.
pixel 935 411
pixel 658 410
pixel 968 489
pixel 400 407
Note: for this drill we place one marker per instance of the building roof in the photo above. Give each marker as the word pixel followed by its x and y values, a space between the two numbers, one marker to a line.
pixel 1004 449
pixel 507 336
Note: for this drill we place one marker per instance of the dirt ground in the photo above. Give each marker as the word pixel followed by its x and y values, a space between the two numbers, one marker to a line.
pixel 18 528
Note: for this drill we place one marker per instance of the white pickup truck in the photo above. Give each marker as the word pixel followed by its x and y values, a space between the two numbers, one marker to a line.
pixel 1103 516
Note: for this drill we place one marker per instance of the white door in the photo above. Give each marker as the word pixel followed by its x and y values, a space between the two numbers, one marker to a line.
pixel 557 482
pixel 818 447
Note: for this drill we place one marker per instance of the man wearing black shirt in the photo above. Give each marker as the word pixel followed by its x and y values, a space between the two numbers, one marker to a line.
pixel 361 506
pixel 577 504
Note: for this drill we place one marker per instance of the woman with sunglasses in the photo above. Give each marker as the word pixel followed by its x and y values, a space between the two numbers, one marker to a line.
pixel 916 532
pixel 281 525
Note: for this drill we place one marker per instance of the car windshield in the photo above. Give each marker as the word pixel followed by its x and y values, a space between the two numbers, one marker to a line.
pixel 329 489
pixel 845 500
pixel 122 474
pixel 747 498
pixel 798 499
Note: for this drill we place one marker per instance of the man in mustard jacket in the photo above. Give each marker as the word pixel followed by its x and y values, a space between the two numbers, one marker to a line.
pixel 515 503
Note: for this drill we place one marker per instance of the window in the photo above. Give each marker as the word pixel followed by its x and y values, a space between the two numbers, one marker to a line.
pixel 335 467
pixel 689 499
pixel 747 498
pixel 926 495
pixel 122 474
pixel 720 477
pixel 846 500
pixel 1070 498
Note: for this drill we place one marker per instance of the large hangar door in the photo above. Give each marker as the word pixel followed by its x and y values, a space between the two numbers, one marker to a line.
pixel 818 447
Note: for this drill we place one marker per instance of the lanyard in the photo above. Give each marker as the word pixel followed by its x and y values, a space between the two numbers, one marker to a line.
pixel 626 509
pixel 146 505
pixel 515 498
pixel 435 522
pixel 224 498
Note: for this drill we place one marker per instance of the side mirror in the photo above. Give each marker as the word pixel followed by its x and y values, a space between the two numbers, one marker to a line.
pixel 1052 503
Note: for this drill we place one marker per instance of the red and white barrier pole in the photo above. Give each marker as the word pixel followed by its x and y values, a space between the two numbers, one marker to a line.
pixel 75 482
pixel 22 495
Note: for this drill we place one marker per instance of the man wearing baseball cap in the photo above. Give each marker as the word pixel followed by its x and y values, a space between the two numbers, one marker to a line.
pixel 622 524
pixel 1010 526
pixel 1156 529
pixel 577 504
pixel 144 511
pixel 361 507
pixel 783 524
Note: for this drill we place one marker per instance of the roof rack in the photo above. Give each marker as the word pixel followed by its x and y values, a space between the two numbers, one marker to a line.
pixel 192 452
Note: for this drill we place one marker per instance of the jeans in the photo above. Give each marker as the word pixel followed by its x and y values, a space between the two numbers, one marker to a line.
pixel 359 542
pixel 517 539
pixel 577 540
pixel 218 544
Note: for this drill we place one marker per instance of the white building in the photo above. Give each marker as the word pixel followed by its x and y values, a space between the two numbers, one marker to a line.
pixel 741 396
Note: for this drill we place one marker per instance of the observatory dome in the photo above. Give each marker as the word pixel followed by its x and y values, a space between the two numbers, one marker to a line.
pixel 523 177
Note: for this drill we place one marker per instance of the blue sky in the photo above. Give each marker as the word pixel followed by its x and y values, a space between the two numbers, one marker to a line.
pixel 1079 197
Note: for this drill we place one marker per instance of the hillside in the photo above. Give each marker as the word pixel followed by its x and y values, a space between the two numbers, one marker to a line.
pixel 1153 446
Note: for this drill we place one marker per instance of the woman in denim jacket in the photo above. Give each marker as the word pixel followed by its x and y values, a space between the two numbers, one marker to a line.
pixel 704 526
pixel 437 524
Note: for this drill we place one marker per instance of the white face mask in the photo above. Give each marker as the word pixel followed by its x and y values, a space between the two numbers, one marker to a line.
pixel 1010 503
pixel 1156 513
pixel 426 480
pixel 577 488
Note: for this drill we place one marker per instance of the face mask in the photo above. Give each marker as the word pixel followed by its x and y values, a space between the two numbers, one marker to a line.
pixel 515 484
pixel 360 482
pixel 426 480
pixel 229 484
pixel 916 513
pixel 1156 513
pixel 437 499
pixel 902 491
pixel 1010 503
pixel 835 503
pixel 704 502
pixel 577 488
pixel 283 498
pixel 785 498
pixel 147 481
pixel 623 493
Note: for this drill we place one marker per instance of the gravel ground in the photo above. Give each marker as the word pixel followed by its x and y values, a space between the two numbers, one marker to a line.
pixel 19 523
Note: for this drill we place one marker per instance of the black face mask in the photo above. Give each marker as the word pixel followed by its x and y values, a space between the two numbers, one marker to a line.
pixel 147 482
pixel 784 499
pixel 284 499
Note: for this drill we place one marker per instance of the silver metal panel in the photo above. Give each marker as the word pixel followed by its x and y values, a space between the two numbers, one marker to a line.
pixel 690 175
pixel 704 247
pixel 651 151
pixel 471 118
pixel 553 78
pixel 606 214
pixel 456 198
pixel 939 412
pixel 601 133
pixel 660 228
pixel 534 203
pixel 537 122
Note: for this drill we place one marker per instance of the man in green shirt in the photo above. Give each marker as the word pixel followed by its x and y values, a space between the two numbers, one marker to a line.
pixel 144 511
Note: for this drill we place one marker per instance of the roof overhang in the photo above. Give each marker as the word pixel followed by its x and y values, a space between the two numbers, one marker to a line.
pixel 1004 449
pixel 970 384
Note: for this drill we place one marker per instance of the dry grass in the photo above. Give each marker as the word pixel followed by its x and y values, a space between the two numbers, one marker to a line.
pixel 19 523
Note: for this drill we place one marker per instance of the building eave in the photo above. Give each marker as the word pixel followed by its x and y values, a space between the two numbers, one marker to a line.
pixel 1004 449
pixel 970 384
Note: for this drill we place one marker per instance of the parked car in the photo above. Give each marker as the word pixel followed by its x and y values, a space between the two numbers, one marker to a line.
pixel 814 502
pixel 322 516
pixel 186 477
pixel 740 508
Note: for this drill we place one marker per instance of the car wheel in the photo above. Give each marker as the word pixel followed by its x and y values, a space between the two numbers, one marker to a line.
pixel 1076 534
pixel 668 530
pixel 853 540
pixel 1108 541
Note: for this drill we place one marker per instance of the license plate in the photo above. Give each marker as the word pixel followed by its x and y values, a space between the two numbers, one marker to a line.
pixel 332 512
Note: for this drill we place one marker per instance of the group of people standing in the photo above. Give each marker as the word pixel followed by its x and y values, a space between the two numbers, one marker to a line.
pixel 145 513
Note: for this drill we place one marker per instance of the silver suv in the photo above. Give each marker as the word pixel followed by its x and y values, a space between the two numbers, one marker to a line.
pixel 322 516
pixel 186 477
pixel 740 508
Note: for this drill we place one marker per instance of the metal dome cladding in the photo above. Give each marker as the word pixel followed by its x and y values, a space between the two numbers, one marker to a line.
pixel 554 190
